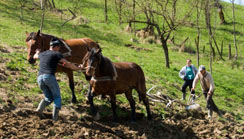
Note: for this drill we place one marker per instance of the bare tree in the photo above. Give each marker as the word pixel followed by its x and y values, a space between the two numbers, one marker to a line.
pixel 197 40
pixel 208 25
pixel 168 22
pixel 118 6
pixel 234 28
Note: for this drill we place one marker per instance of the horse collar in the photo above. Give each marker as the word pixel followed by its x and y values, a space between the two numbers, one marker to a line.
pixel 106 78
pixel 67 47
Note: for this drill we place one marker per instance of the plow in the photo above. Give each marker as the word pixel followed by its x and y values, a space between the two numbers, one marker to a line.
pixel 168 101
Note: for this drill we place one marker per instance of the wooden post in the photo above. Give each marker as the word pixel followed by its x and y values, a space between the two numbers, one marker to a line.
pixel 221 50
pixel 197 45
pixel 106 11
pixel 229 51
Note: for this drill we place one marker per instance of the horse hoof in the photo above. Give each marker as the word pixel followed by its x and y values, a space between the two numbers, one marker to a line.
pixel 74 101
pixel 150 118
pixel 97 117
pixel 133 121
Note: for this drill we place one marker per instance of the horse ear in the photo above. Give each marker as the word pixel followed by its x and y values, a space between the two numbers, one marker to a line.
pixel 38 33
pixel 27 34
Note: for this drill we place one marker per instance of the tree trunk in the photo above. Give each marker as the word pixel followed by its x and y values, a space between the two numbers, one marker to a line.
pixel 53 3
pixel 105 11
pixel 234 29
pixel 229 51
pixel 197 40
pixel 217 47
pixel 197 45
pixel 43 4
pixel 221 51
pixel 120 12
pixel 208 24
pixel 166 52
pixel 21 11
pixel 134 16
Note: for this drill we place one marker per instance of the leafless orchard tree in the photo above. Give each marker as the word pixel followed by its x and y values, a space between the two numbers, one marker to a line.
pixel 165 12
pixel 198 5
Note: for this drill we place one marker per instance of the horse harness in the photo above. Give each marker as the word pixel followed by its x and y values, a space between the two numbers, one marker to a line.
pixel 68 48
pixel 106 78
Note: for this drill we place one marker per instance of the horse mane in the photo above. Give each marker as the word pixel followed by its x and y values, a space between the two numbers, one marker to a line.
pixel 32 35
pixel 105 64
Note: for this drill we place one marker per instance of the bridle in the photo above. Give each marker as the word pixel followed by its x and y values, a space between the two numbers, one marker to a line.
pixel 66 54
pixel 103 78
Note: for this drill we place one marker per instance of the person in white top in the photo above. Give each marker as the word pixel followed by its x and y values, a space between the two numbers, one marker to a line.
pixel 207 85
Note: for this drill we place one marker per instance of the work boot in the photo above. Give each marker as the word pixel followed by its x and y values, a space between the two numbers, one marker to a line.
pixel 210 113
pixel 220 113
pixel 41 107
pixel 183 96
pixel 55 113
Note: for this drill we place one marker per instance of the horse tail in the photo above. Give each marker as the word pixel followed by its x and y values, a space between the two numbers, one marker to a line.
pixel 141 89
pixel 141 83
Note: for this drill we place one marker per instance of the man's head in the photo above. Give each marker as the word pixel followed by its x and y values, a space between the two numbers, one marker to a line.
pixel 55 44
pixel 202 69
pixel 188 62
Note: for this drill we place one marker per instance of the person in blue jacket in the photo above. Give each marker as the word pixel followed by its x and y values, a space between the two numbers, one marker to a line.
pixel 187 73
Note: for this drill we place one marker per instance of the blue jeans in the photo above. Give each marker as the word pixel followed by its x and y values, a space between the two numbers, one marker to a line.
pixel 50 88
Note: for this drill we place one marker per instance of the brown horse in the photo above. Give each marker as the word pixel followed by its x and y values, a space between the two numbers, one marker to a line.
pixel 109 78
pixel 73 50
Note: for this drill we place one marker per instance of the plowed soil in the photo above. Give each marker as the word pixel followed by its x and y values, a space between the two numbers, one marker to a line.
pixel 19 120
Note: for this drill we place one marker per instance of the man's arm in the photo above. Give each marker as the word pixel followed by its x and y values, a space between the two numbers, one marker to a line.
pixel 68 64
pixel 195 82
pixel 182 73
pixel 211 82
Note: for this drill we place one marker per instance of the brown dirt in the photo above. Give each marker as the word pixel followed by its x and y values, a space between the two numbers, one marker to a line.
pixel 19 120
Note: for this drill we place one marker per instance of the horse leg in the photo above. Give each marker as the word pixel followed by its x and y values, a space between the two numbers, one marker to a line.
pixel 129 97
pixel 93 109
pixel 146 103
pixel 72 86
pixel 113 105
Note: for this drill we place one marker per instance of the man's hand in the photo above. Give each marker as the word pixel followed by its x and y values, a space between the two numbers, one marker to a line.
pixel 192 89
pixel 209 93
pixel 38 51
pixel 81 66
pixel 36 54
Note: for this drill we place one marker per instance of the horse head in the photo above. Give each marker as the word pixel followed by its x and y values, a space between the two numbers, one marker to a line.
pixel 92 60
pixel 33 41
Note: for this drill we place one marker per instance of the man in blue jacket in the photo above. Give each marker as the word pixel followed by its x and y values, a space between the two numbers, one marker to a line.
pixel 187 73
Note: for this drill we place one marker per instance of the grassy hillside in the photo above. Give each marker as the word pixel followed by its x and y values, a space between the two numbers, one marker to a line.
pixel 228 75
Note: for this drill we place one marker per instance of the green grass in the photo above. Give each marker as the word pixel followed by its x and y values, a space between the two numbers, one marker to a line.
pixel 228 75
